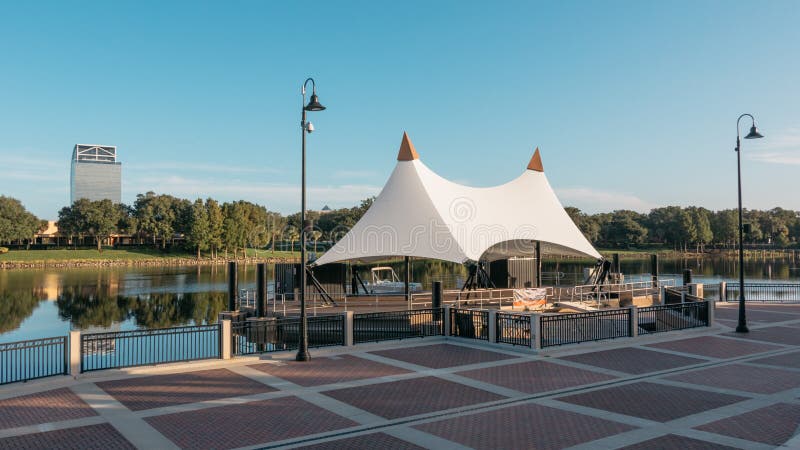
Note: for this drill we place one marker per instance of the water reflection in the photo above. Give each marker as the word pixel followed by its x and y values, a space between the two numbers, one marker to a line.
pixel 16 307
pixel 159 310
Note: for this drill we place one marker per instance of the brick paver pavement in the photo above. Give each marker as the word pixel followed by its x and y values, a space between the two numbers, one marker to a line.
pixel 49 406
pixel 777 335
pixel 673 441
pixel 536 376
pixel 633 360
pixel 180 388
pixel 366 441
pixel 774 424
pixel 785 360
pixel 439 356
pixel 742 377
pixel 246 424
pixel 322 370
pixel 523 426
pixel 92 437
pixel 756 316
pixel 716 347
pixel 411 397
pixel 652 401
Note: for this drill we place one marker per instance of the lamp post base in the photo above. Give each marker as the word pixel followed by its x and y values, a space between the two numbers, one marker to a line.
pixel 742 329
pixel 302 355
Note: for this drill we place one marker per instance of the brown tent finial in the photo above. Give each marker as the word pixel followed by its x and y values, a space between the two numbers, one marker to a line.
pixel 407 151
pixel 536 162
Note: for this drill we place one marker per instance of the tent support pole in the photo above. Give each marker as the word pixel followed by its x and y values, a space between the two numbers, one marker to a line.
pixel 408 278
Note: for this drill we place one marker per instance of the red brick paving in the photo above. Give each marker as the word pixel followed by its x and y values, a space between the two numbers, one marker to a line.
pixel 776 335
pixel 715 347
pixel 180 388
pixel 523 426
pixel 92 437
pixel 440 356
pixel 49 406
pixel 652 401
pixel 673 441
pixel 367 441
pixel 247 424
pixel 786 360
pixel 411 397
pixel 774 424
pixel 536 376
pixel 633 360
pixel 329 370
pixel 755 316
pixel 740 377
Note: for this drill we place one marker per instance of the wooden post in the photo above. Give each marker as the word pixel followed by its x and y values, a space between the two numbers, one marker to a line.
pixel 233 285
pixel 261 290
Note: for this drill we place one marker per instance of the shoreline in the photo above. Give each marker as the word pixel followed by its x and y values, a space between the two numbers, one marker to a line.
pixel 154 262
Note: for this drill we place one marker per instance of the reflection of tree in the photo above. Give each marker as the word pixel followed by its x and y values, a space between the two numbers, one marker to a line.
pixel 85 311
pixel 16 307
pixel 169 310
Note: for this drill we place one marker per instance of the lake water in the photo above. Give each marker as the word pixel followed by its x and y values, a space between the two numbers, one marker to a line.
pixel 49 302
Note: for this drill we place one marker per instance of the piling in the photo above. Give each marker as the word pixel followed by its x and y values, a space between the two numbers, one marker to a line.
pixel 654 269
pixel 261 289
pixel 687 276
pixel 233 285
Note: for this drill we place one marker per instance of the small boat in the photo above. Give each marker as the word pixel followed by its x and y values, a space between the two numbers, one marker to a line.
pixel 385 281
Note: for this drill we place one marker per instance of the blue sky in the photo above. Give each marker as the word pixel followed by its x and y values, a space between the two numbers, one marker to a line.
pixel 633 103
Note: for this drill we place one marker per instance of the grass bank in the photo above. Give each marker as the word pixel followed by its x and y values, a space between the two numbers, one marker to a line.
pixel 121 257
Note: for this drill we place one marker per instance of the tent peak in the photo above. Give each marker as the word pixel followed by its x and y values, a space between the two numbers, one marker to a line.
pixel 536 162
pixel 407 151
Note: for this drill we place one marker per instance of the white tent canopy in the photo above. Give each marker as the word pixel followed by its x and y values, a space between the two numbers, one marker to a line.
pixel 420 214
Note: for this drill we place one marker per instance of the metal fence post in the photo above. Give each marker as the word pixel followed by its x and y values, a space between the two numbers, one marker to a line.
pixel 348 328
pixel 447 320
pixel 634 321
pixel 723 291
pixel 536 331
pixel 75 353
pixel 492 325
pixel 226 338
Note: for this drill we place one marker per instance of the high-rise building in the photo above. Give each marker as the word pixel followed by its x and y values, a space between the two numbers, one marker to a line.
pixel 96 174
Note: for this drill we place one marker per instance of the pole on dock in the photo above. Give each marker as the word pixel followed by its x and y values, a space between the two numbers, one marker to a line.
pixel 615 263
pixel 436 298
pixel 408 278
pixel 687 276
pixel 654 268
pixel 233 285
pixel 261 289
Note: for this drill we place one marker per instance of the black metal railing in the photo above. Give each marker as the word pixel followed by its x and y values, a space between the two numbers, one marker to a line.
pixel 563 329
pixel 469 323
pixel 278 334
pixel 147 347
pixel 673 294
pixel 765 292
pixel 35 358
pixel 513 329
pixel 657 319
pixel 384 326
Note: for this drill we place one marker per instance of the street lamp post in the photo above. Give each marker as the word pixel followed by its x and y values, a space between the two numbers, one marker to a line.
pixel 305 127
pixel 741 327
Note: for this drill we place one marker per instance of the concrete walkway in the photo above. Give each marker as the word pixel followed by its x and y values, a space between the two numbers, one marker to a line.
pixel 705 388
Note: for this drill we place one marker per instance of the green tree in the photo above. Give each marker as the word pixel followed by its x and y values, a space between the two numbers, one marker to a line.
pixel 624 229
pixel 161 216
pixel 16 223
pixel 216 225
pixel 98 219
pixel 199 235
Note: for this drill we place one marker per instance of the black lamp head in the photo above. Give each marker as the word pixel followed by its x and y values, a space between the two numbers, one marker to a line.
pixel 314 104
pixel 754 134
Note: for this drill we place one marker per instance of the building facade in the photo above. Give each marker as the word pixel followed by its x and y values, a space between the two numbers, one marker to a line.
pixel 95 173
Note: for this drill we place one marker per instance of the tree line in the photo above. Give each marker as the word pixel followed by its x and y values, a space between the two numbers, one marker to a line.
pixel 691 227
pixel 208 226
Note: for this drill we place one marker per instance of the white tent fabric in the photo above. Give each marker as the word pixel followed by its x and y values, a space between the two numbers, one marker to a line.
pixel 420 214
